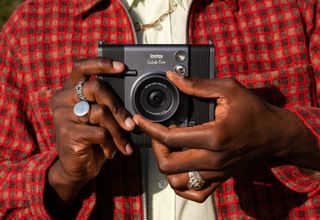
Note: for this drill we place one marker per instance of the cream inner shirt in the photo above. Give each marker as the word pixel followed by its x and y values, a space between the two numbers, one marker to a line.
pixel 162 202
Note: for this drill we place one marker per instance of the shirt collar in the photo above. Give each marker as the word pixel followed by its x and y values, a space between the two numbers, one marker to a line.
pixel 85 5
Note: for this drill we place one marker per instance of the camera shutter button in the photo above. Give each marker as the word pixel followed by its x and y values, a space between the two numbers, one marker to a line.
pixel 180 69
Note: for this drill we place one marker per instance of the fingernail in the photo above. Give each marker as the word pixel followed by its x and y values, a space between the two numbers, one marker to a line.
pixel 117 65
pixel 175 75
pixel 129 123
pixel 136 120
pixel 129 149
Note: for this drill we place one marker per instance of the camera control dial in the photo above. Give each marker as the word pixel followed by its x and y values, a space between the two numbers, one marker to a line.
pixel 181 70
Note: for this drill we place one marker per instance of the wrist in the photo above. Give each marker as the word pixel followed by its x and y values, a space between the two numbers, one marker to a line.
pixel 66 188
pixel 62 199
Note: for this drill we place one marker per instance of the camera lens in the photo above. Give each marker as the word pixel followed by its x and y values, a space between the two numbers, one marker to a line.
pixel 155 97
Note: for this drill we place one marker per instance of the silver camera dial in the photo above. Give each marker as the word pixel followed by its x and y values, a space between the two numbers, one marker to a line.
pixel 180 69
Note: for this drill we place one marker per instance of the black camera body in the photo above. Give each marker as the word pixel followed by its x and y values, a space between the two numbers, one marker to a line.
pixel 144 88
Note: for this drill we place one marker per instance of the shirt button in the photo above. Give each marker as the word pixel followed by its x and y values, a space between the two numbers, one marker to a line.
pixel 162 184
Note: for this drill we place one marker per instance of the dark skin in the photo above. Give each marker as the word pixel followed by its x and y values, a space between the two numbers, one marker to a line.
pixel 239 133
pixel 85 143
pixel 245 129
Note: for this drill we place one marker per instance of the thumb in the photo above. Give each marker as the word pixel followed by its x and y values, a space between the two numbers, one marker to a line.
pixel 202 88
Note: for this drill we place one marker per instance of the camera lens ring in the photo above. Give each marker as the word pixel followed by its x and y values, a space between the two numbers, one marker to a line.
pixel 165 105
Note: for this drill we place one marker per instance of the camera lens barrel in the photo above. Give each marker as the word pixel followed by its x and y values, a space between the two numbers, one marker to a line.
pixel 155 97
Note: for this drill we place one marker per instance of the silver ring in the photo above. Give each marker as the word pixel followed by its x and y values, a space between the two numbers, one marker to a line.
pixel 79 91
pixel 82 108
pixel 196 181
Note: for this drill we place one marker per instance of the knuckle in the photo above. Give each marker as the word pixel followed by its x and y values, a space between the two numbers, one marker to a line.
pixel 94 88
pixel 174 182
pixel 164 166
pixel 216 143
pixel 93 85
pixel 102 134
pixel 220 138
pixel 78 149
pixel 107 121
pixel 101 112
pixel 102 63
pixel 218 162
pixel 119 110
pixel 64 130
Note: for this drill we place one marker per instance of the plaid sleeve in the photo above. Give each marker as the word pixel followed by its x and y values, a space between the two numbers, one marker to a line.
pixel 299 179
pixel 26 154
pixel 21 171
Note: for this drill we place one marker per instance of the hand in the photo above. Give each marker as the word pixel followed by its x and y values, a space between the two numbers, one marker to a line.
pixel 84 143
pixel 245 129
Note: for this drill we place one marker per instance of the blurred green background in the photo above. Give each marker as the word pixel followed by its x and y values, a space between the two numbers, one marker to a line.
pixel 6 8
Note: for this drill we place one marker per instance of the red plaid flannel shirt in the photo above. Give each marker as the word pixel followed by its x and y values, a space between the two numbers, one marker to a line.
pixel 271 46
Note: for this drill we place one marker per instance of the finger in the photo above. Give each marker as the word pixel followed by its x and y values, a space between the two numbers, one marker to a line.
pixel 103 139
pixel 102 116
pixel 82 137
pixel 98 92
pixel 104 95
pixel 99 115
pixel 63 113
pixel 200 195
pixel 91 89
pixel 198 87
pixel 180 181
pixel 84 68
pixel 200 136
pixel 172 162
pixel 109 148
